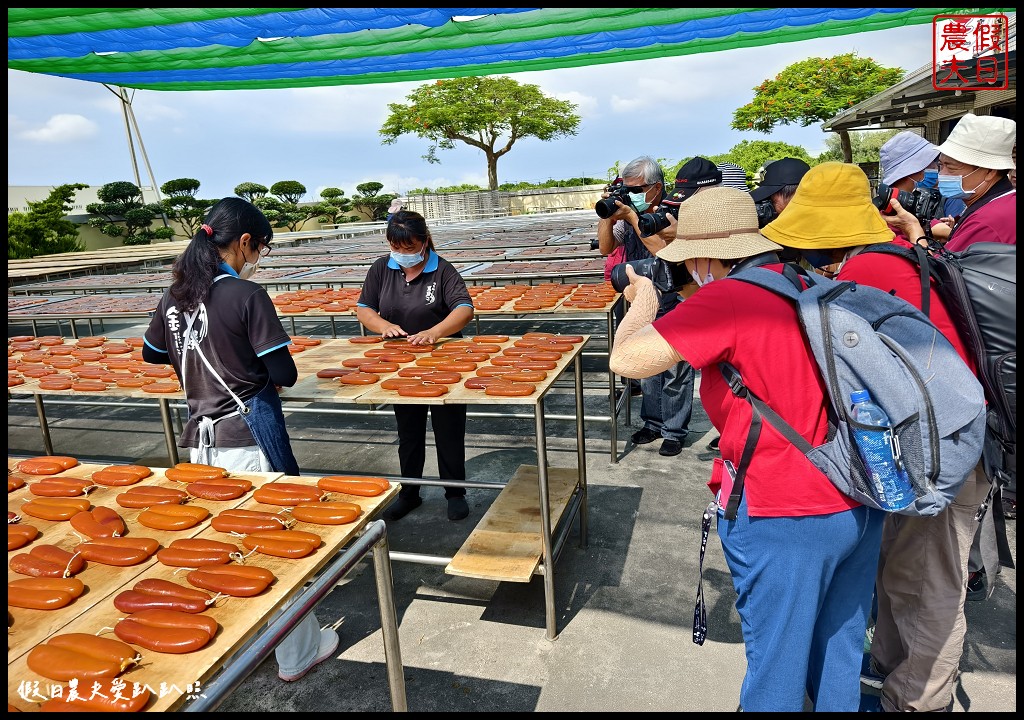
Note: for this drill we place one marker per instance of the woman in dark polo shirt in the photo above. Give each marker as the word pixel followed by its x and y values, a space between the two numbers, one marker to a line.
pixel 415 294
pixel 226 343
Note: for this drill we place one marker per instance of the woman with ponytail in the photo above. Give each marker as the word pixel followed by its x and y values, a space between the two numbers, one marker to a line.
pixel 221 334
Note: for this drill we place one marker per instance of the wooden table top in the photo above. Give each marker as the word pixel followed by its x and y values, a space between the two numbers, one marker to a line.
pixel 332 353
pixel 239 618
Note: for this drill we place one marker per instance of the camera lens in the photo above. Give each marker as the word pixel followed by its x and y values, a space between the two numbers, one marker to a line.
pixel 606 207
pixel 765 212
pixel 595 244
pixel 651 223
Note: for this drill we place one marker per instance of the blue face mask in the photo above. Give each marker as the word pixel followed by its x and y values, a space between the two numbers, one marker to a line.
pixel 951 187
pixel 930 179
pixel 639 201
pixel 406 260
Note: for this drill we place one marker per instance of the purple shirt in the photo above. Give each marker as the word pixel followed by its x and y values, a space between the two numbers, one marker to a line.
pixel 996 221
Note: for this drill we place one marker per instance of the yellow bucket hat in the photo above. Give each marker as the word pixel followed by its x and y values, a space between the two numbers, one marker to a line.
pixel 831 209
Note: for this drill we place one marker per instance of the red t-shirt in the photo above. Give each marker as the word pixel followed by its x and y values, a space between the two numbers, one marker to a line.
pixel 902 277
pixel 758 333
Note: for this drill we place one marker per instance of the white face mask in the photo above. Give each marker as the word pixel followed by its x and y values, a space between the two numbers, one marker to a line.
pixel 708 277
pixel 248 268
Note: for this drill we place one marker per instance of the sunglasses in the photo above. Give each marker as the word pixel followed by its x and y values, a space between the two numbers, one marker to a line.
pixel 635 188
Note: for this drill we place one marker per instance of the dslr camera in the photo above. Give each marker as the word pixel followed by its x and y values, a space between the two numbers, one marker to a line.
pixel 667 277
pixel 924 203
pixel 655 222
pixel 765 212
pixel 606 207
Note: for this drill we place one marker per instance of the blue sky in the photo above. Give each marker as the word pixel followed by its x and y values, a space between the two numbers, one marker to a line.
pixel 67 131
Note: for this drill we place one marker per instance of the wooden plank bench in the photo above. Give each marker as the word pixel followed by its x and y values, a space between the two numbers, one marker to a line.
pixel 506 543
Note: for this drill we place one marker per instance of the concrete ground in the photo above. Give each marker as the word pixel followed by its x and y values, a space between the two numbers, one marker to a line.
pixel 624 603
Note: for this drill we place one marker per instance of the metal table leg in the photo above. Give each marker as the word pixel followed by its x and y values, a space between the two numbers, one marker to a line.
pixel 172 445
pixel 581 449
pixel 545 524
pixel 389 621
pixel 614 430
pixel 43 427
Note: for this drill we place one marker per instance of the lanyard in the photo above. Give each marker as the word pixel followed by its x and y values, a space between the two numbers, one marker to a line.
pixel 700 613
pixel 192 342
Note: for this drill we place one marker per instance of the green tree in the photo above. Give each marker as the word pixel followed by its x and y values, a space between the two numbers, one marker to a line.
pixel 282 206
pixel 752 155
pixel 181 204
pixel 488 113
pixel 815 90
pixel 251 191
pixel 368 200
pixel 122 202
pixel 44 229
pixel 865 146
pixel 334 207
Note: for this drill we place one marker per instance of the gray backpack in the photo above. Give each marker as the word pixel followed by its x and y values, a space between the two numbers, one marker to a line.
pixel 863 338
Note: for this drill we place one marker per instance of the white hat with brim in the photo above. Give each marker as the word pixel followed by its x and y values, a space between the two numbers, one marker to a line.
pixel 984 141
pixel 905 154
pixel 717 222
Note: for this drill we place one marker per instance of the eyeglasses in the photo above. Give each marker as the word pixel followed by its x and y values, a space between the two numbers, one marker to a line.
pixel 636 188
pixel 264 251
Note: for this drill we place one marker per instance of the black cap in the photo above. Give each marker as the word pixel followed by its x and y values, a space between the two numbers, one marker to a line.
pixel 778 174
pixel 692 176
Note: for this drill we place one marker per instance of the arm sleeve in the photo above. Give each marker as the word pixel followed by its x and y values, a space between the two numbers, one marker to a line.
pixel 281 367
pixel 266 333
pixel 155 337
pixel 456 294
pixel 151 355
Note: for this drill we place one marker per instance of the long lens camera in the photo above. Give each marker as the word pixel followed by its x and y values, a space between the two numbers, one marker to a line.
pixel 923 203
pixel 606 207
pixel 655 222
pixel 666 276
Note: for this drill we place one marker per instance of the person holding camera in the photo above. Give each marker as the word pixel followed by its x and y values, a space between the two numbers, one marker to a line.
pixel 777 187
pixel 909 170
pixel 667 402
pixel 974 162
pixel 920 583
pixel 803 600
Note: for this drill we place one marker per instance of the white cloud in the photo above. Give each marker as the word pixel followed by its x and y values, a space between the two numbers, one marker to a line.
pixel 62 128
pixel 586 104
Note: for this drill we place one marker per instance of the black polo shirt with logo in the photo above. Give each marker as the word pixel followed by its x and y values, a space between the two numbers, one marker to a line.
pixel 237 324
pixel 418 305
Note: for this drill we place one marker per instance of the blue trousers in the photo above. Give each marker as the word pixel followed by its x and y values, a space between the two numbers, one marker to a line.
pixel 668 401
pixel 804 588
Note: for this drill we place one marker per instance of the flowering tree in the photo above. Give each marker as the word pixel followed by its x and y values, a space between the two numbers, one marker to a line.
pixel 815 90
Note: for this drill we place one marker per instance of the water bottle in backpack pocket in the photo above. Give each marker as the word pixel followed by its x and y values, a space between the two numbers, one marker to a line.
pixel 878 448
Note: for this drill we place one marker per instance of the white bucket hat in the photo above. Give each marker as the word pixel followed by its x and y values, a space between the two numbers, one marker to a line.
pixel 984 141
pixel 905 154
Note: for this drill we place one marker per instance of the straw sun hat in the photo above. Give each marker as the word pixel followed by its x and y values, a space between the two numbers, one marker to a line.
pixel 831 209
pixel 717 222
